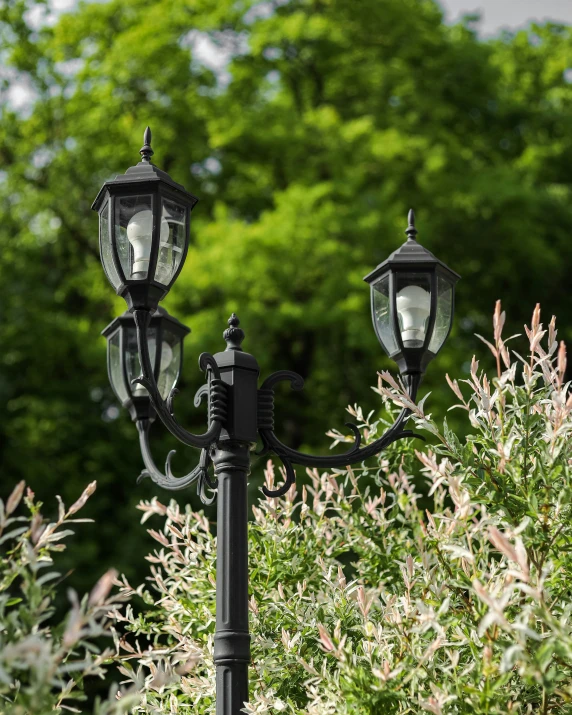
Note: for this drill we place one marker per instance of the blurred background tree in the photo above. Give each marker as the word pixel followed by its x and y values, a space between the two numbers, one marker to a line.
pixel 308 135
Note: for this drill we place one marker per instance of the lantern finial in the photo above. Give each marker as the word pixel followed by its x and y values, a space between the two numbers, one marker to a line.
pixel 411 231
pixel 146 151
pixel 233 334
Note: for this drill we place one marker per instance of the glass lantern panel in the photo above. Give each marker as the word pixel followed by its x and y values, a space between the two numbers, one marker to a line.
pixel 105 247
pixel 444 314
pixel 413 303
pixel 116 367
pixel 381 315
pixel 134 234
pixel 172 244
pixel 132 358
pixel 170 366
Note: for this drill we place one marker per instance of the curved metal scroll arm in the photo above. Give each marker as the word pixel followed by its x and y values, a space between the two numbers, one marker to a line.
pixel 164 408
pixel 199 474
pixel 289 456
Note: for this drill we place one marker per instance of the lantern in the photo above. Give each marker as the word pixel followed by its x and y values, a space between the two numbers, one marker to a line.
pixel 412 299
pixel 144 223
pixel 165 339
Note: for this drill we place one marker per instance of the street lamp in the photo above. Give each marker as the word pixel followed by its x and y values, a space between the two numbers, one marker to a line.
pixel 412 299
pixel 165 339
pixel 144 223
pixel 412 308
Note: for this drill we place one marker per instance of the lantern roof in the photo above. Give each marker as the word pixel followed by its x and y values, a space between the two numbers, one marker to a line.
pixel 142 172
pixel 160 314
pixel 411 255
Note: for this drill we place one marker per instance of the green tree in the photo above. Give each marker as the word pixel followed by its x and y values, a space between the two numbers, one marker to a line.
pixel 328 121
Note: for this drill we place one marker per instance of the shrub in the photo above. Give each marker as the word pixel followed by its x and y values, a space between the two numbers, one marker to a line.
pixel 43 663
pixel 364 600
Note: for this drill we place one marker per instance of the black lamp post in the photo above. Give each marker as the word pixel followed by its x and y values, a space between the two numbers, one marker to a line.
pixel 144 236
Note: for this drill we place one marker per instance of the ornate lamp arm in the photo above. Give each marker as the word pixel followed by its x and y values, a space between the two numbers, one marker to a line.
pixel 199 474
pixel 168 481
pixel 164 408
pixel 290 456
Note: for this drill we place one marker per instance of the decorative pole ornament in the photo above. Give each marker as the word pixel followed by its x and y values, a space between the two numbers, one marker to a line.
pixel 146 151
pixel 144 234
pixel 411 231
pixel 233 335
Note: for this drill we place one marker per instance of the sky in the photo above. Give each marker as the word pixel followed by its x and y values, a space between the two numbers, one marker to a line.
pixel 508 14
pixel 496 15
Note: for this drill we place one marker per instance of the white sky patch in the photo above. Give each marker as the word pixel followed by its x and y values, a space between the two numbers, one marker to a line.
pixel 215 50
pixel 19 95
pixel 207 52
pixel 63 5
pixel 498 15
pixel 70 68
pixel 37 17
pixel 47 15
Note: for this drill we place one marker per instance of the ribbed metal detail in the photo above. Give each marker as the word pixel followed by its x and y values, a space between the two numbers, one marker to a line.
pixel 265 409
pixel 218 402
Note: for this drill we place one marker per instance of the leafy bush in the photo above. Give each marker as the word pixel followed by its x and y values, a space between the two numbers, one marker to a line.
pixel 43 663
pixel 366 601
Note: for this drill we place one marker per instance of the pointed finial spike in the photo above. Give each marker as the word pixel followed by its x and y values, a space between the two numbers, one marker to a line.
pixel 411 231
pixel 233 334
pixel 146 151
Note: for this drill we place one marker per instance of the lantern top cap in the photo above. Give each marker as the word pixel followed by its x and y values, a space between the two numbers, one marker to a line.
pixel 411 256
pixel 127 319
pixel 144 171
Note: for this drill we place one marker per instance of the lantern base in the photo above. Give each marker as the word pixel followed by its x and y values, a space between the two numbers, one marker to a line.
pixel 140 295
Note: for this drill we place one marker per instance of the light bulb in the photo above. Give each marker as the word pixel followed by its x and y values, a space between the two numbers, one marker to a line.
pixel 140 236
pixel 413 307
pixel 166 359
pixel 166 356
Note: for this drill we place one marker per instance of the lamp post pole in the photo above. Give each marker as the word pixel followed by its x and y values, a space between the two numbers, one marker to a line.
pixel 144 236
pixel 231 460
pixel 232 640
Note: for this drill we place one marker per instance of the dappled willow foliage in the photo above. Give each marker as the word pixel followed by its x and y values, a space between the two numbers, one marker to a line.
pixel 364 601
pixel 43 661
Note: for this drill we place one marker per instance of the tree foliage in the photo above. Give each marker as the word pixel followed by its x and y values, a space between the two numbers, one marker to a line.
pixel 308 128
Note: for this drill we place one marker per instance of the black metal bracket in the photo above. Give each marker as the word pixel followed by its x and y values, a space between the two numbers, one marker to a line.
pixel 289 456
pixel 168 480
pixel 238 411
pixel 215 390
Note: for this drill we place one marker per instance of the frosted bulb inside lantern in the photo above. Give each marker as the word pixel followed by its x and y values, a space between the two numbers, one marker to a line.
pixel 140 236
pixel 166 355
pixel 166 359
pixel 413 307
